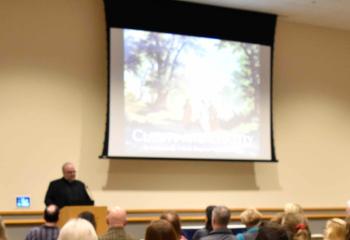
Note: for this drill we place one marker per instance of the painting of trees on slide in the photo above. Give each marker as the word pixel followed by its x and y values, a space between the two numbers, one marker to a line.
pixel 186 93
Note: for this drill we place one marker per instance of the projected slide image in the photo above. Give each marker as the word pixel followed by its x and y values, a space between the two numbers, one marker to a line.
pixel 191 94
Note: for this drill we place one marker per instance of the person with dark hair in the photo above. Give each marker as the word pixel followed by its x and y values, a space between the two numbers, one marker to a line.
pixel 208 227
pixel 174 220
pixel 160 230
pixel 67 191
pixel 89 216
pixel 221 216
pixel 271 231
pixel 48 231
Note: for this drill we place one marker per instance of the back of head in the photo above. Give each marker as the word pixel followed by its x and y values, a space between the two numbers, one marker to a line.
pixel 293 208
pixel 221 216
pixel 77 229
pixel 292 222
pixel 117 217
pixel 208 213
pixel 251 217
pixel 174 220
pixel 160 230
pixel 302 234
pixel 51 214
pixel 89 216
pixel 335 229
pixel 271 231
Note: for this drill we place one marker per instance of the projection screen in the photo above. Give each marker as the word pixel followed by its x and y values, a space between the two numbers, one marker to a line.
pixel 180 95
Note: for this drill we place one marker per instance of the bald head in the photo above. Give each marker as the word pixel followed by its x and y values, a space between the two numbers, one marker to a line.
pixel 51 214
pixel 116 217
pixel 69 172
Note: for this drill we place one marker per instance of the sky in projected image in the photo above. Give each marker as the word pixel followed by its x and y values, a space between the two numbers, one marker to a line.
pixel 191 95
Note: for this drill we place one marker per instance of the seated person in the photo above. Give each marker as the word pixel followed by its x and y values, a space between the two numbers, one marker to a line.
pixel 335 229
pixel 296 225
pixel 49 230
pixel 271 231
pixel 77 229
pixel 116 220
pixel 174 220
pixel 251 218
pixel 208 227
pixel 160 230
pixel 220 219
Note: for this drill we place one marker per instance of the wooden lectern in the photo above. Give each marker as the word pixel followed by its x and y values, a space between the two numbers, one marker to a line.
pixel 70 212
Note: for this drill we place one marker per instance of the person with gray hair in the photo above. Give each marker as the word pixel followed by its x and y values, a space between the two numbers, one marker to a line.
pixel 221 216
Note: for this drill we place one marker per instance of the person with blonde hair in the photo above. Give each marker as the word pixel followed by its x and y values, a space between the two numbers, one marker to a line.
pixel 160 230
pixel 335 229
pixel 251 217
pixel 293 208
pixel 296 226
pixel 77 229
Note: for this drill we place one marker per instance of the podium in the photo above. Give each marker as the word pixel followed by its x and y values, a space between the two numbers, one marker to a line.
pixel 70 212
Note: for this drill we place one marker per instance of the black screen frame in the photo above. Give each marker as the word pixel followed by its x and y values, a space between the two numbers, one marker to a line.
pixel 190 19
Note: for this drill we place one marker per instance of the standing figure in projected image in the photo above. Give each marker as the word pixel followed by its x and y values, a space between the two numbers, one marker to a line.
pixel 204 120
pixel 67 191
pixel 187 114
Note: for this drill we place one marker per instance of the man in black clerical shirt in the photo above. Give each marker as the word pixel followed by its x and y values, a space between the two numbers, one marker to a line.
pixel 67 191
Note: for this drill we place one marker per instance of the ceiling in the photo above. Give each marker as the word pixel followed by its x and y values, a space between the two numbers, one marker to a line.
pixel 326 13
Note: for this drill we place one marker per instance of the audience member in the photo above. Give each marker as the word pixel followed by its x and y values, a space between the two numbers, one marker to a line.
pixel 251 218
pixel 116 220
pixel 3 235
pixel 48 231
pixel 67 190
pixel 302 233
pixel 89 216
pixel 295 222
pixel 160 230
pixel 208 227
pixel 271 231
pixel 220 219
pixel 77 229
pixel 293 208
pixel 174 219
pixel 335 229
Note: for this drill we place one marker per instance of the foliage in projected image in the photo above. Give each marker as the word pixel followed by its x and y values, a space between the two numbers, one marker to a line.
pixel 191 83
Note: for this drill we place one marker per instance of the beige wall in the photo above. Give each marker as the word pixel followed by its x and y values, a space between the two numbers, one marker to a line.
pixel 53 107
